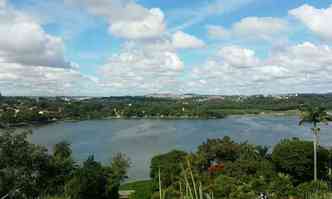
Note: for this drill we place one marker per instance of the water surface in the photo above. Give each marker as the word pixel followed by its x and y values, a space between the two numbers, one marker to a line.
pixel 142 139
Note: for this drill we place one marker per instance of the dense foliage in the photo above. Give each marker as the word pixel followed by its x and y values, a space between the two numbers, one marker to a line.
pixel 295 158
pixel 247 170
pixel 29 171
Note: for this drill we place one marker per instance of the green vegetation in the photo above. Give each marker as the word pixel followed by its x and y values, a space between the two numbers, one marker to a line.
pixel 225 169
pixel 220 168
pixel 28 171
pixel 21 111
pixel 314 116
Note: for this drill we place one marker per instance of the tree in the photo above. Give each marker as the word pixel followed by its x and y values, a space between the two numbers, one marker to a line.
pixel 314 116
pixel 224 186
pixel 90 181
pixel 119 166
pixel 281 186
pixel 218 150
pixel 62 150
pixel 24 167
pixel 63 167
pixel 294 157
pixel 170 165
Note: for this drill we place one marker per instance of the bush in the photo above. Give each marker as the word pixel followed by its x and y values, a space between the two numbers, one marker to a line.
pixel 90 181
pixel 244 169
pixel 281 187
pixel 313 187
pixel 224 186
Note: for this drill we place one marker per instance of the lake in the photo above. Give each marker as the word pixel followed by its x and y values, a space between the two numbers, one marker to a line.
pixel 142 139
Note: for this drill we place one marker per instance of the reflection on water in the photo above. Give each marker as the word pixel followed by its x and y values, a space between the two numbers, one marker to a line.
pixel 142 139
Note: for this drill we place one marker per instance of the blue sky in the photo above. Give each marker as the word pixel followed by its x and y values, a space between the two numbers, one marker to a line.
pixel 128 47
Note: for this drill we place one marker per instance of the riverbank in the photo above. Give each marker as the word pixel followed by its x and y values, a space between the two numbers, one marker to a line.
pixel 228 113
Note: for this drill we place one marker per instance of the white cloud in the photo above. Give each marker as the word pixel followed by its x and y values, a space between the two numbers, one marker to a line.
pixel 238 57
pixel 260 27
pixel 3 4
pixel 32 62
pixel 150 26
pixel 317 20
pixel 251 28
pixel 182 40
pixel 304 58
pixel 305 67
pixel 17 79
pixel 218 32
pixel 127 18
pixel 24 41
pixel 142 70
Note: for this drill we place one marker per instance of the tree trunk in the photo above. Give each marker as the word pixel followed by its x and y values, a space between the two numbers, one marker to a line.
pixel 315 154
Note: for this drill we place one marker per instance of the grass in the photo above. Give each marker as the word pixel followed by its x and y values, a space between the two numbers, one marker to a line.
pixel 143 189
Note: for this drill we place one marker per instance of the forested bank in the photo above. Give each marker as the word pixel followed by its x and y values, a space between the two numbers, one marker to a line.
pixel 23 111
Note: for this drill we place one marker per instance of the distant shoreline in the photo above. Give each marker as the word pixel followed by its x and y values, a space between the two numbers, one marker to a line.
pixel 44 123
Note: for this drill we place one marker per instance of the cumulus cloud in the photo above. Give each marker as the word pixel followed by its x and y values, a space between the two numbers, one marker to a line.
pixel 127 18
pixel 142 70
pixel 182 40
pixel 252 28
pixel 305 67
pixel 317 20
pixel 22 40
pixel 150 26
pixel 304 58
pixel 238 57
pixel 32 62
pixel 17 79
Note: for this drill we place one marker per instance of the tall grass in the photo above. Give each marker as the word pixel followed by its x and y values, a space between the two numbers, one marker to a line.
pixel 191 189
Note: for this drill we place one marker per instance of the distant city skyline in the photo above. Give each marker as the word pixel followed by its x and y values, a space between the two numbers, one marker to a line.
pixel 139 47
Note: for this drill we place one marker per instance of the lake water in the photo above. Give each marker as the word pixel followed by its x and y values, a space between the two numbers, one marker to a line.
pixel 142 139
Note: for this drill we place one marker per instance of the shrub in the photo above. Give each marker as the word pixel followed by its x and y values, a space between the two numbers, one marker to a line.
pixel 313 187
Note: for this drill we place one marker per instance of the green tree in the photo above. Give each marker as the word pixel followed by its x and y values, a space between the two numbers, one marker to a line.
pixel 281 187
pixel 224 186
pixel 314 116
pixel 218 150
pixel 294 157
pixel 119 166
pixel 63 167
pixel 24 167
pixel 62 150
pixel 90 181
pixel 170 165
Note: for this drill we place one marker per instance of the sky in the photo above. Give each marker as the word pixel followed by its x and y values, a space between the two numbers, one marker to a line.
pixel 139 47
